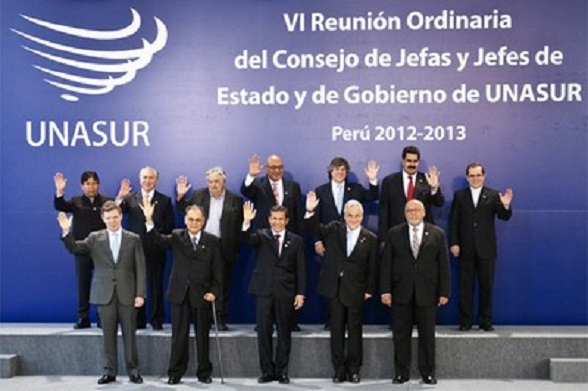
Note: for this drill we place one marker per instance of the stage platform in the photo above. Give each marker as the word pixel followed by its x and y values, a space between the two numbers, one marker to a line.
pixel 510 352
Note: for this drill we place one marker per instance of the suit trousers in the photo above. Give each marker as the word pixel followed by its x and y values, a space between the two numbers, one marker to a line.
pixel 155 263
pixel 283 310
pixel 223 308
pixel 405 316
pixel 111 315
pixel 343 317
pixel 180 356
pixel 468 269
pixel 84 268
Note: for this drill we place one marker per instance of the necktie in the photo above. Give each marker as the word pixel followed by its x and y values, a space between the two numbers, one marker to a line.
pixel 410 190
pixel 339 198
pixel 276 192
pixel 277 244
pixel 415 242
pixel 194 243
pixel 114 245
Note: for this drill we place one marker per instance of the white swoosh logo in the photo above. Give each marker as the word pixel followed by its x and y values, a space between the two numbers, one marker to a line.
pixel 93 72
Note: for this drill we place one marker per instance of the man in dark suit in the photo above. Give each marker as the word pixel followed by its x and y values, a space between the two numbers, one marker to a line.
pixel 225 216
pixel 86 219
pixel 347 279
pixel 163 217
pixel 414 279
pixel 278 282
pixel 334 194
pixel 473 240
pixel 273 189
pixel 194 283
pixel 400 187
pixel 118 285
pixel 270 190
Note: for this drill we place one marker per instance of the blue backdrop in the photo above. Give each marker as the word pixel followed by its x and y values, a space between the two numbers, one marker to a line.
pixel 184 85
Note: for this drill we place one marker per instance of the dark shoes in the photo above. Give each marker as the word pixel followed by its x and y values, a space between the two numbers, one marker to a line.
pixel 137 379
pixel 465 327
pixel 222 327
pixel 265 378
pixel 174 380
pixel 354 378
pixel 157 326
pixel 141 325
pixel 486 327
pixel 283 379
pixel 429 379
pixel 205 379
pixel 106 379
pixel 82 323
pixel 339 378
pixel 399 380
pixel 295 328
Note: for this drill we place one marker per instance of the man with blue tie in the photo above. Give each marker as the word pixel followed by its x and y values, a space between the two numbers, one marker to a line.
pixel 279 283
pixel 118 285
pixel 347 279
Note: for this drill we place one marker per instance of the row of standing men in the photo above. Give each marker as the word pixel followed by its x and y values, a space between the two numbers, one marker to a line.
pixel 225 218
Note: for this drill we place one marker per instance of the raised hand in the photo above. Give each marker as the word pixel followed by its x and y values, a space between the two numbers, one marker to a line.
pixel 60 183
pixel 125 189
pixel 64 222
pixel 255 166
pixel 371 170
pixel 249 212
pixel 506 199
pixel 311 201
pixel 182 186
pixel 433 177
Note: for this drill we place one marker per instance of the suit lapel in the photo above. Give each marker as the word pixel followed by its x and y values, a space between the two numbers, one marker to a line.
pixel 400 186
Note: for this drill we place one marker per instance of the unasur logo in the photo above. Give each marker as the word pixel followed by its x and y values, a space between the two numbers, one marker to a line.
pixel 82 71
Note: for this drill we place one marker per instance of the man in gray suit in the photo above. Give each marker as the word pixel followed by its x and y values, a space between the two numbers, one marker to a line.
pixel 118 285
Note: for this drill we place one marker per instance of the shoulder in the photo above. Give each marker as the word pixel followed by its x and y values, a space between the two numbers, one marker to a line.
pixel 392 177
pixel 128 234
pixel 232 196
pixel 325 187
pixel 434 229
pixel 161 196
pixel 369 234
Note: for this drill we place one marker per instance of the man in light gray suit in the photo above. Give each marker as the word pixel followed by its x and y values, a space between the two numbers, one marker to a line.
pixel 118 285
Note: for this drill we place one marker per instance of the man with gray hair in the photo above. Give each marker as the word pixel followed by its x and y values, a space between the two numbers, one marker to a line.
pixel 225 216
pixel 347 279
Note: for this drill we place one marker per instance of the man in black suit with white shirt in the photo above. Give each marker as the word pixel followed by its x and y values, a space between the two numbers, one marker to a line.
pixel 347 279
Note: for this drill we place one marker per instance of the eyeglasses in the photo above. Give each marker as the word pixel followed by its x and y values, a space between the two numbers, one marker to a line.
pixel 413 210
pixel 275 167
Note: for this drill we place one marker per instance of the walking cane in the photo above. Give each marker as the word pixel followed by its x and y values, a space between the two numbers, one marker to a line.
pixel 218 347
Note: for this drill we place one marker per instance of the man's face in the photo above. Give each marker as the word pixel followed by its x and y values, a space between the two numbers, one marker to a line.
pixel 410 163
pixel 339 174
pixel 91 187
pixel 148 179
pixel 274 168
pixel 476 177
pixel 216 184
pixel 353 217
pixel 194 221
pixel 112 219
pixel 278 221
pixel 414 212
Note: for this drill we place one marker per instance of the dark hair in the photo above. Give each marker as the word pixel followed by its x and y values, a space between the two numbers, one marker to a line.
pixel 337 162
pixel 196 207
pixel 412 150
pixel 279 208
pixel 89 175
pixel 109 206
pixel 473 165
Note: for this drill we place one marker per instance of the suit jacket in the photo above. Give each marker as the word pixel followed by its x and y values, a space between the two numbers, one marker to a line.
pixel 231 218
pixel 163 216
pixel 393 200
pixel 194 272
pixel 260 192
pixel 282 277
pixel 126 276
pixel 348 277
pixel 326 211
pixel 86 214
pixel 472 228
pixel 428 276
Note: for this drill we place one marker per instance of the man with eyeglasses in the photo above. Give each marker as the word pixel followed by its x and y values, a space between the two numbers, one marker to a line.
pixel 194 283
pixel 472 237
pixel 414 280
pixel 225 216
